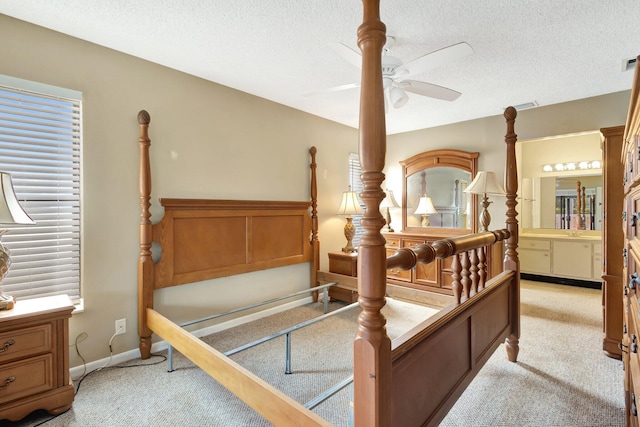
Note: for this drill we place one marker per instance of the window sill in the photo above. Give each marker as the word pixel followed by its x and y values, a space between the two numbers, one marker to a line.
pixel 79 306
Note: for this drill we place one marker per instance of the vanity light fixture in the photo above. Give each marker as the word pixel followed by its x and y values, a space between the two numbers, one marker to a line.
pixel 485 182
pixel 349 206
pixel 572 166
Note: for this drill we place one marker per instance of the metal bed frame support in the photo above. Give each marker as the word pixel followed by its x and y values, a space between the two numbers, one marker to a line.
pixel 325 298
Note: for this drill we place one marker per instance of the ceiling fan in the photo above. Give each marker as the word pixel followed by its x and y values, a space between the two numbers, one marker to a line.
pixel 394 72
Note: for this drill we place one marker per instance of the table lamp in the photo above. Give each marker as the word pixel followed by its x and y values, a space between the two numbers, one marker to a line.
pixel 349 206
pixel 485 182
pixel 10 213
pixel 389 202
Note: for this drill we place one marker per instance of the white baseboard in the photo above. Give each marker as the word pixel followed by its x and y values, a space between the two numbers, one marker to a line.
pixel 78 371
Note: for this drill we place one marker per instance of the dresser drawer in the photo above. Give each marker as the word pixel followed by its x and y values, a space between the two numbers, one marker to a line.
pixel 397 273
pixel 412 243
pixel 25 342
pixel 392 242
pixel 543 245
pixel 26 377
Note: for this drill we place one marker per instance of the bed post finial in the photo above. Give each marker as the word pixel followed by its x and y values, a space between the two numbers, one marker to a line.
pixel 372 346
pixel 315 244
pixel 145 262
pixel 143 117
pixel 511 261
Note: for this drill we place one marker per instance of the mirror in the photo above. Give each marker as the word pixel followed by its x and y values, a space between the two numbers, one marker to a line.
pixel 433 191
pixel 550 169
pixel 563 203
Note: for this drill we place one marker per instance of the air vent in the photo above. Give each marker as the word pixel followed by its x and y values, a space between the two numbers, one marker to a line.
pixel 628 64
pixel 526 105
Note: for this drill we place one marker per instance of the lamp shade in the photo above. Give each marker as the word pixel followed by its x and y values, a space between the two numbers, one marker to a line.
pixel 10 210
pixel 485 182
pixel 349 204
pixel 389 201
pixel 425 206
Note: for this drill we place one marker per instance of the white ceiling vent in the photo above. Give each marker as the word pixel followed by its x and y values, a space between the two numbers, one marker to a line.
pixel 628 64
pixel 526 105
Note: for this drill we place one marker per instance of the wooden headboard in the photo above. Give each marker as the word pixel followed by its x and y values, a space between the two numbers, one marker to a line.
pixel 208 239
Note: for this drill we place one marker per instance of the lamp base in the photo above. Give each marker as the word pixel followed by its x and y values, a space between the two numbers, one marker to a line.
pixel 5 259
pixel 389 229
pixel 425 220
pixel 349 233
pixel 485 217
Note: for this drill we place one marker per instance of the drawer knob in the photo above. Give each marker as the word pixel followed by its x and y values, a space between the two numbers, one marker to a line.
pixel 6 345
pixel 394 271
pixel 7 382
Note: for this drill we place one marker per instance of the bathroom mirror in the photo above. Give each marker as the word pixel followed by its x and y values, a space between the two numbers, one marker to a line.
pixel 550 170
pixel 433 191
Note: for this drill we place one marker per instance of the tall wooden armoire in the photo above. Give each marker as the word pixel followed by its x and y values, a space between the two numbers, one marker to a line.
pixel 612 240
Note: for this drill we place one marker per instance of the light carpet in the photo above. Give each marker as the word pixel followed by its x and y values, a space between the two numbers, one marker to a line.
pixel 562 377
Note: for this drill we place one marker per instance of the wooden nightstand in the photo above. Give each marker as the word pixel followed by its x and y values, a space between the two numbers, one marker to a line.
pixel 347 264
pixel 344 263
pixel 34 357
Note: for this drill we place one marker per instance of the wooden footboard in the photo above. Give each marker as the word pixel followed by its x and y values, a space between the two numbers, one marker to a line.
pixel 433 363
pixel 271 403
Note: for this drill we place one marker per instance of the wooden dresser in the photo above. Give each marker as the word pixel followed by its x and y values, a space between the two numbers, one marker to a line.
pixel 34 357
pixel 631 256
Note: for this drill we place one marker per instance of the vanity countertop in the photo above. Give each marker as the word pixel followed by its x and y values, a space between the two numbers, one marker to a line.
pixel 558 236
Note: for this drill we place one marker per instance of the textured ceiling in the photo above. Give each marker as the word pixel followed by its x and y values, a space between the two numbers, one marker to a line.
pixel 547 51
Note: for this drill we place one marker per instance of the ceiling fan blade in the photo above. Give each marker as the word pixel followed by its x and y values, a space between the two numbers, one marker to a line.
pixel 333 89
pixel 436 59
pixel 350 55
pixel 429 89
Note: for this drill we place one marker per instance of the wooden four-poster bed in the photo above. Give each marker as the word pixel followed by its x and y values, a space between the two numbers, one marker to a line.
pixel 413 381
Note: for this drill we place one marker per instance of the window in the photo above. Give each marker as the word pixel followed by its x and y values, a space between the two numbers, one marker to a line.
pixel 40 140
pixel 356 185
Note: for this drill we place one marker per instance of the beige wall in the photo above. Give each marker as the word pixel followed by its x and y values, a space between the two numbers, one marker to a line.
pixel 228 145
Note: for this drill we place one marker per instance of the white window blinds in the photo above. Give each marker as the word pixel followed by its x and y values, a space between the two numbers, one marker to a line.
pixel 40 140
pixel 358 187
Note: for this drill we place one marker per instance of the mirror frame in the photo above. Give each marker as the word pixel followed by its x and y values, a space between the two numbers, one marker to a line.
pixel 458 159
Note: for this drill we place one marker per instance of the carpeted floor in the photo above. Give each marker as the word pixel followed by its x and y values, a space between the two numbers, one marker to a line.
pixel 562 377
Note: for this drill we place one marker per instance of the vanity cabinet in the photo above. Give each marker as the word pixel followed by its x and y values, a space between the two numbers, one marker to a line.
pixel 535 256
pixel 573 259
pixel 564 257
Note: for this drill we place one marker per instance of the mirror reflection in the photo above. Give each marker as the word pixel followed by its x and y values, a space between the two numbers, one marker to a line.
pixel 563 203
pixel 433 191
pixel 435 198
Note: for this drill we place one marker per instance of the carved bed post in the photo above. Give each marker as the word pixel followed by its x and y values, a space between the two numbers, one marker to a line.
pixel 315 244
pixel 145 263
pixel 511 261
pixel 372 346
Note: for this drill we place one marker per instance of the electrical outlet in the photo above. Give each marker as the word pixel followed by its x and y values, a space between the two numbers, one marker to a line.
pixel 121 326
